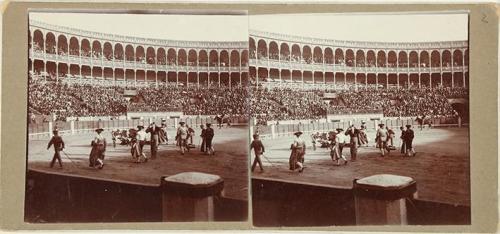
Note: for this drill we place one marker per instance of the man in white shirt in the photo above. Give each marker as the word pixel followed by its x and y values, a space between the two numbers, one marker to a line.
pixel 341 139
pixel 141 138
pixel 382 137
pixel 182 135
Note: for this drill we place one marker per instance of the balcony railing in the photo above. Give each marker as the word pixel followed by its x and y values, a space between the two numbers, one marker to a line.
pixel 50 56
pixel 296 65
pixel 104 62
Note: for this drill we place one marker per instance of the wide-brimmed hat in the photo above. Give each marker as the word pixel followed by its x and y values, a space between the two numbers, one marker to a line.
pixel 163 120
pixel 255 135
pixel 182 122
pixel 408 126
pixel 339 129
pixel 380 125
pixel 209 124
pixel 55 131
pixel 362 121
pixel 140 126
pixel 298 133
pixel 99 129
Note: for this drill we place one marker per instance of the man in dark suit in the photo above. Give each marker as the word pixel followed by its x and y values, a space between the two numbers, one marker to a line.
pixel 202 135
pixel 408 140
pixel 353 133
pixel 259 150
pixel 209 135
pixel 58 143
pixel 154 132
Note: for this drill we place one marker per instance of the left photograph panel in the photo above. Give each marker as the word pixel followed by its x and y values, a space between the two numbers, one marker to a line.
pixel 137 117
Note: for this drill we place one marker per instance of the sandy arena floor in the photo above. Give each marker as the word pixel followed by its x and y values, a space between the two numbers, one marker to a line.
pixel 441 166
pixel 230 161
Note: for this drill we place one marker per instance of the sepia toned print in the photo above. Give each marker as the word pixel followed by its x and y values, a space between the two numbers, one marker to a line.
pixel 357 121
pixel 137 118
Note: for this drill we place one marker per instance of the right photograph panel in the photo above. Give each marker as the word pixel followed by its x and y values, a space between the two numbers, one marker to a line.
pixel 359 119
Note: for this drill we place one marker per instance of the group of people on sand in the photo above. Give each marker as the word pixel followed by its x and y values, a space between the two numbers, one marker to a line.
pixel 96 157
pixel 184 138
pixel 385 140
pixel 338 140
pixel 296 160
pixel 137 139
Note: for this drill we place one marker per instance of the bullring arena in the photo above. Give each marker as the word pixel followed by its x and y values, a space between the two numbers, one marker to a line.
pixel 119 164
pixel 81 80
pixel 334 66
pixel 274 84
pixel 441 165
pixel 316 85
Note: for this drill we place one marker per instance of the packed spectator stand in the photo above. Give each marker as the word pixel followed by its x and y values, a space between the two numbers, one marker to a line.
pixel 77 100
pixel 287 104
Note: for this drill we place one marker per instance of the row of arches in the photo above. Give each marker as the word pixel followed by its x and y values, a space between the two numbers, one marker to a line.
pixel 360 57
pixel 57 71
pixel 150 55
pixel 448 79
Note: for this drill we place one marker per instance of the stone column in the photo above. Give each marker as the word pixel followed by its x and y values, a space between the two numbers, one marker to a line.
pixel 452 70
pixel 190 196
pixel 273 131
pixel 50 129
pixel 381 199
pixel 72 126
pixel 250 131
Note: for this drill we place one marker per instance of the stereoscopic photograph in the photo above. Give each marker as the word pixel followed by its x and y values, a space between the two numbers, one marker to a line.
pixel 137 117
pixel 359 119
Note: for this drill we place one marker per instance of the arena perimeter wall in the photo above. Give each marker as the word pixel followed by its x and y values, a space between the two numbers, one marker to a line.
pixel 44 130
pixel 56 197
pixel 286 203
pixel 307 126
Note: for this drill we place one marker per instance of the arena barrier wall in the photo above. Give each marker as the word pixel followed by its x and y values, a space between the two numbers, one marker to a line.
pixel 55 197
pixel 308 127
pixel 285 203
pixel 329 118
pixel 96 118
pixel 157 115
pixel 44 130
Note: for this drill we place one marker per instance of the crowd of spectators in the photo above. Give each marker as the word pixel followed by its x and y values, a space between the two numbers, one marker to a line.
pixel 78 99
pixel 192 100
pixel 65 100
pixel 401 102
pixel 285 104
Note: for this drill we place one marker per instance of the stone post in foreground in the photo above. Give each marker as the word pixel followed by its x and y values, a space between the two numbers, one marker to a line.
pixel 381 199
pixel 189 196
